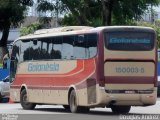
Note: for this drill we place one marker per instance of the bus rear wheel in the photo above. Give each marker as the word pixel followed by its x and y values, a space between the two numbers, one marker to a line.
pixel 73 102
pixel 74 108
pixel 120 109
pixel 24 101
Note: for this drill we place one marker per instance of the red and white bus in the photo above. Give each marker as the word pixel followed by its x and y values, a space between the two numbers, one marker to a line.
pixel 83 67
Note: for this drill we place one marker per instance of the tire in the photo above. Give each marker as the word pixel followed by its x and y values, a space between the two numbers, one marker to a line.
pixel 73 102
pixel 0 98
pixel 121 109
pixel 23 100
pixel 74 108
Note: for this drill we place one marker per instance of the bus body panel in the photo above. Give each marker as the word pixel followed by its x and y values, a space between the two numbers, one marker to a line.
pixel 96 81
pixel 130 76
pixel 52 86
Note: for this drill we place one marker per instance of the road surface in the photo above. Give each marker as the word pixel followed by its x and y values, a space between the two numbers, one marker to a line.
pixel 56 112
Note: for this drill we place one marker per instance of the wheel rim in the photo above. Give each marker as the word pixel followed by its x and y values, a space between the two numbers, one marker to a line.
pixel 25 99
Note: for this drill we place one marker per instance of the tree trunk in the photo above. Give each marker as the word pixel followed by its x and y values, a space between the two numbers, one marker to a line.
pixel 5 33
pixel 107 11
pixel 3 42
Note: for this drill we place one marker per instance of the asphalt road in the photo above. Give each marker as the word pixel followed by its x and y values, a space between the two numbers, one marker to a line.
pixel 53 112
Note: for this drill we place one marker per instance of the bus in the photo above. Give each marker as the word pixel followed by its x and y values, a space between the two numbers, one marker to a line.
pixel 83 67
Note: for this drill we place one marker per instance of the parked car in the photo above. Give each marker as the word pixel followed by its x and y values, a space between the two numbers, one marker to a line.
pixel 4 87
pixel 158 91
pixel 158 67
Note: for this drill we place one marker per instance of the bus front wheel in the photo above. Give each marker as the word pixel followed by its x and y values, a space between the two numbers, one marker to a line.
pixel 0 98
pixel 24 101
pixel 120 109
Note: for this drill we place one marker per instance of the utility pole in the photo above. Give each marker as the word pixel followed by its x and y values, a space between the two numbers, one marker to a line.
pixel 56 13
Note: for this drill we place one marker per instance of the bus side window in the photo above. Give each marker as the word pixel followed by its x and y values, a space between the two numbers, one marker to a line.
pixel 92 45
pixel 67 47
pixel 79 51
pixel 56 52
pixel 35 49
pixel 45 48
pixel 25 50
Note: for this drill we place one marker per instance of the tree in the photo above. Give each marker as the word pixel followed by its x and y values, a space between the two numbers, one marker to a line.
pixel 125 11
pixel 110 12
pixel 30 29
pixel 91 12
pixel 11 13
pixel 82 12
pixel 54 8
pixel 85 12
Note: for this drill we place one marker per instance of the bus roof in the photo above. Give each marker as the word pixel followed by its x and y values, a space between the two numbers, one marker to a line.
pixel 68 30
pixel 57 31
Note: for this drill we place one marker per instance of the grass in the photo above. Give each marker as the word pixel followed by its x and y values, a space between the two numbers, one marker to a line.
pixel 1 65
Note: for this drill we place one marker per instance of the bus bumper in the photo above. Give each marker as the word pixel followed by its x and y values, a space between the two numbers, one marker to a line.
pixel 106 99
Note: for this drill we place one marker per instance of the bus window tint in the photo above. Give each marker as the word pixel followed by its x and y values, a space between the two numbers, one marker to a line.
pixel 56 52
pixel 35 49
pixel 92 45
pixel 67 47
pixel 25 49
pixel 46 44
pixel 16 51
pixel 80 43
pixel 49 47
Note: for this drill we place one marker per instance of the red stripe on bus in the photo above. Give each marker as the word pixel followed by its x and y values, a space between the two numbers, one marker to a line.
pixel 53 80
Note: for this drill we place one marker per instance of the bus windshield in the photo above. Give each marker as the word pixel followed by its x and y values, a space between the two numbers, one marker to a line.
pixel 129 41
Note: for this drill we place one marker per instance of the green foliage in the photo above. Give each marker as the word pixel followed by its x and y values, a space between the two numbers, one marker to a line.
pixel 12 12
pixel 45 6
pixel 93 12
pixel 127 11
pixel 30 29
pixel 54 6
pixel 69 20
pixel 84 12
pixel 95 22
pixel 1 65
pixel 155 26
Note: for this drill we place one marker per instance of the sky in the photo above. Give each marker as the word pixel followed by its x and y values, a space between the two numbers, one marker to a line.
pixel 157 8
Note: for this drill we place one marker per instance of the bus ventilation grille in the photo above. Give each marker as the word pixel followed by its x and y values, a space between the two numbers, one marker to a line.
pixel 91 91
